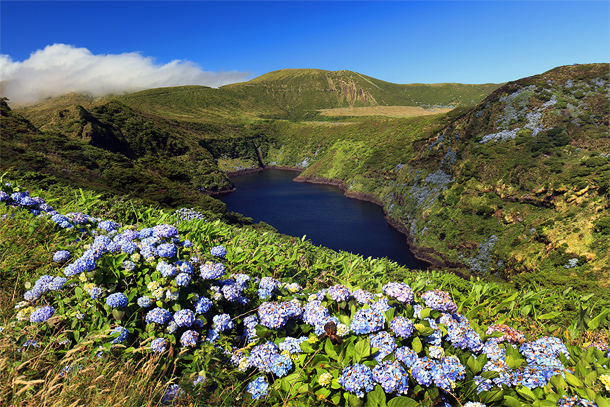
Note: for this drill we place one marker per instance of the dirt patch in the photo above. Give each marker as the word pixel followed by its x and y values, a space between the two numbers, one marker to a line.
pixel 390 111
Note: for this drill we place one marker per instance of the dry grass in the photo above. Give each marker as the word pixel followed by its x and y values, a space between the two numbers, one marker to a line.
pixel 389 111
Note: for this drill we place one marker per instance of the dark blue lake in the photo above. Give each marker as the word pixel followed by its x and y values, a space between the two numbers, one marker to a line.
pixel 321 212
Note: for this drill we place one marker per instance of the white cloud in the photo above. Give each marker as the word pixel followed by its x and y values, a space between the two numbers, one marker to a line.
pixel 59 69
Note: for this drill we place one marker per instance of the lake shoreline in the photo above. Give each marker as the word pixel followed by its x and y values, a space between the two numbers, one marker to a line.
pixel 420 253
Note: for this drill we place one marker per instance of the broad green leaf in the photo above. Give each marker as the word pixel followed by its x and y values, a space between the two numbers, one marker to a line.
pixel 595 322
pixel 402 401
pixel 329 348
pixel 306 347
pixel 526 393
pixel 416 345
pixel 362 350
pixel 510 401
pixel 550 315
pixel 376 398
pixel 573 380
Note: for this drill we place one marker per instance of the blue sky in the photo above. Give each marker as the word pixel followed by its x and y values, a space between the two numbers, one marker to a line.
pixel 396 41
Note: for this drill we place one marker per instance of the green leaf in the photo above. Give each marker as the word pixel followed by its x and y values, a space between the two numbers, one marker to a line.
pixel 527 393
pixel 416 345
pixel 573 380
pixel 306 347
pixel 474 365
pixel 362 350
pixel 595 322
pixel 352 400
pixel 492 396
pixel 402 401
pixel 525 310
pixel 389 314
pixel 376 398
pixel 329 348
pixel 550 315
pixel 425 331
pixel 602 401
pixel 510 401
pixel 425 313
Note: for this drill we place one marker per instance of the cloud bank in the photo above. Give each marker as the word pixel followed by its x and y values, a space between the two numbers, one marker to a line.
pixel 60 68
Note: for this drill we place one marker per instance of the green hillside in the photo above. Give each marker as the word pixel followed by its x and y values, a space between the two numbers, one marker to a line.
pixel 296 94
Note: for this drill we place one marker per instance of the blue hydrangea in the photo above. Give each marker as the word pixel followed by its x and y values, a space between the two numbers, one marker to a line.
pixel 385 342
pixel 166 269
pixel 57 283
pixel 145 302
pixel 258 388
pixel 211 271
pixel 218 251
pixel 108 225
pixel 357 379
pixel 189 338
pixel 366 321
pixel 167 231
pixel 61 255
pixel 203 305
pixel 158 345
pixel 120 334
pixel 183 279
pixel 158 316
pixel 184 317
pixel 339 293
pixel 129 247
pixel 402 326
pixel 392 377
pixel 222 322
pixel 117 300
pixel 166 250
pixel 42 314
pixel 439 300
pixel 172 393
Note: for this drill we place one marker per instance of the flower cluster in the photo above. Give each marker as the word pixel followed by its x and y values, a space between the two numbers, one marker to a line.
pixel 357 379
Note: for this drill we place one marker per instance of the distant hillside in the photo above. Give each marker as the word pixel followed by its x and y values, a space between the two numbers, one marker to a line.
pixel 293 94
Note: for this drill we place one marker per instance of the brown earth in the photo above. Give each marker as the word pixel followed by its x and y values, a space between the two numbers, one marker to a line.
pixel 390 111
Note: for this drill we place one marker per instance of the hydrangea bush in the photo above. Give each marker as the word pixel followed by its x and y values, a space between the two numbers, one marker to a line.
pixel 275 342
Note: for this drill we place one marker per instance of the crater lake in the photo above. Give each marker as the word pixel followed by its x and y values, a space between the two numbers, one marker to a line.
pixel 320 212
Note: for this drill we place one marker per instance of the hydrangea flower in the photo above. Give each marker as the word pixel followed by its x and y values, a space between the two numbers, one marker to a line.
pixel 392 377
pixel 401 291
pixel 158 315
pixel 184 317
pixel 117 300
pixel 158 345
pixel 222 322
pixel 211 271
pixel 357 379
pixel 439 300
pixel 402 326
pixel 325 379
pixel 258 388
pixel 172 393
pixel 203 305
pixel 218 251
pixel 61 255
pixel 366 321
pixel 385 342
pixel 145 302
pixel 121 334
pixel 339 293
pixel 166 250
pixel 189 338
pixel 42 314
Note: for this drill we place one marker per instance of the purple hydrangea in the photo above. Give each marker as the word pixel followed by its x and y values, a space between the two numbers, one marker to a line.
pixel 211 271
pixel 401 291
pixel 402 326
pixel 339 293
